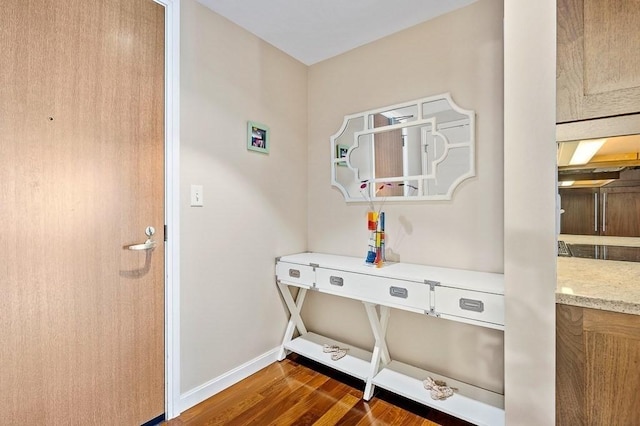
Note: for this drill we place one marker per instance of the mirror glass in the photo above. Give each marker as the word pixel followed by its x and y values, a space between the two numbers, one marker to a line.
pixel 599 195
pixel 419 150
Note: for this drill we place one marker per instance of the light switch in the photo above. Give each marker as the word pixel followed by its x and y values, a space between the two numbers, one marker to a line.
pixel 196 196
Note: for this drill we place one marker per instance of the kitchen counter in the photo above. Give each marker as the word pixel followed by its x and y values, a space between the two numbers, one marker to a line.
pixel 599 284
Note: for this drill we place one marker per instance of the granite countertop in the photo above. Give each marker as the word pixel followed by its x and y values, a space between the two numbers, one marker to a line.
pixel 599 284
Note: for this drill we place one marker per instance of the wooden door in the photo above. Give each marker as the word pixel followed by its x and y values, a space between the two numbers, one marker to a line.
pixel 570 366
pixel 621 211
pixel 388 156
pixel 597 367
pixel 597 59
pixel 81 177
pixel 612 368
pixel 580 215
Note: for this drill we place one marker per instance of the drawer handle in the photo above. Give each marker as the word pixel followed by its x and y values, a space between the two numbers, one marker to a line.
pixel 399 292
pixel 333 280
pixel 472 305
pixel 294 273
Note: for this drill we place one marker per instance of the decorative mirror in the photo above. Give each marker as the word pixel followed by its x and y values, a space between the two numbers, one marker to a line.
pixel 418 150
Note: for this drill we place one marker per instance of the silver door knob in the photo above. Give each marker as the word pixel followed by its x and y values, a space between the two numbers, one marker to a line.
pixel 147 245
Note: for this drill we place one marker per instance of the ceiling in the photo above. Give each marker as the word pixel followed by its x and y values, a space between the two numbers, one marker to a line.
pixel 312 31
pixel 614 150
pixel 616 155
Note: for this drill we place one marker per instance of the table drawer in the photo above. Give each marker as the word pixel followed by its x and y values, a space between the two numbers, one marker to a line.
pixel 470 304
pixel 385 291
pixel 292 273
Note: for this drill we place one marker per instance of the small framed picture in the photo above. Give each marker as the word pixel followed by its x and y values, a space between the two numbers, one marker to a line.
pixel 341 152
pixel 258 137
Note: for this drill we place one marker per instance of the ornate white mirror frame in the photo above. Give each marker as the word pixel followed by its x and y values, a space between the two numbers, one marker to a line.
pixel 416 150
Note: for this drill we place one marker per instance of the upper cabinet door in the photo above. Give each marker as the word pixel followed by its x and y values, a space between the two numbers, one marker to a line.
pixel 598 67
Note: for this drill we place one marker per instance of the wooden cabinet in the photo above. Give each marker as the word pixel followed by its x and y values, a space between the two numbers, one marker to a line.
pixel 580 215
pixel 609 210
pixel 598 66
pixel 621 211
pixel 597 367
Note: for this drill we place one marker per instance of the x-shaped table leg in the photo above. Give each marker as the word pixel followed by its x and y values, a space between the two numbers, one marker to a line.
pixel 380 350
pixel 295 320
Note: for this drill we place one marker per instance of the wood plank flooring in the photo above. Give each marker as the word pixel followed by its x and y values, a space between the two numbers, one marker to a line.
pixel 300 392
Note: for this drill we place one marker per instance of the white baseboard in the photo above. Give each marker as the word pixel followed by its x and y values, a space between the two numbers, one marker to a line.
pixel 220 383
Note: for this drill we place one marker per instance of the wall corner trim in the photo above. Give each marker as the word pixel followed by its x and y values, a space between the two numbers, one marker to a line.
pixel 172 206
pixel 231 377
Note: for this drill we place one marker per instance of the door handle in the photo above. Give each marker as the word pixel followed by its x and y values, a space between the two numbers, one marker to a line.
pixel 604 213
pixel 147 245
pixel 595 212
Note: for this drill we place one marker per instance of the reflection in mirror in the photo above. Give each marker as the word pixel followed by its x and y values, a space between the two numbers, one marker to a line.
pixel 599 191
pixel 394 116
pixel 419 150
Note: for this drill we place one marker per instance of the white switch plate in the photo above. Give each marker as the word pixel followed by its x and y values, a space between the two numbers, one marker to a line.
pixel 196 196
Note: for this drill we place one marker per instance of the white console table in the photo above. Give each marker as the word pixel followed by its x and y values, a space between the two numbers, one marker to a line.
pixel 459 295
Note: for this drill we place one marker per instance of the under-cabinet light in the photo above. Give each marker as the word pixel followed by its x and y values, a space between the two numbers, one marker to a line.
pixel 566 182
pixel 585 151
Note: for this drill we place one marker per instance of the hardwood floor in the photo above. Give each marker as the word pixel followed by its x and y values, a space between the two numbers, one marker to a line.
pixel 300 392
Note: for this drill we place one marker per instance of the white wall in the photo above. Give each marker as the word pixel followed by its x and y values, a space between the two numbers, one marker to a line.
pixel 254 204
pixel 461 53
pixel 529 218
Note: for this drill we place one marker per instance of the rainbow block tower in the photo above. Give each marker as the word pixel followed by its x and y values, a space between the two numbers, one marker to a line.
pixel 375 224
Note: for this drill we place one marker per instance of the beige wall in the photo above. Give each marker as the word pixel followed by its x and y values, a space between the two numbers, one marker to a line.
pixel 461 53
pixel 255 205
pixel 529 220
pixel 229 76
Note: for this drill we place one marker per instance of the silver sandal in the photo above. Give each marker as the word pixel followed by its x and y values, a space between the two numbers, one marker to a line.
pixel 339 354
pixel 330 348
